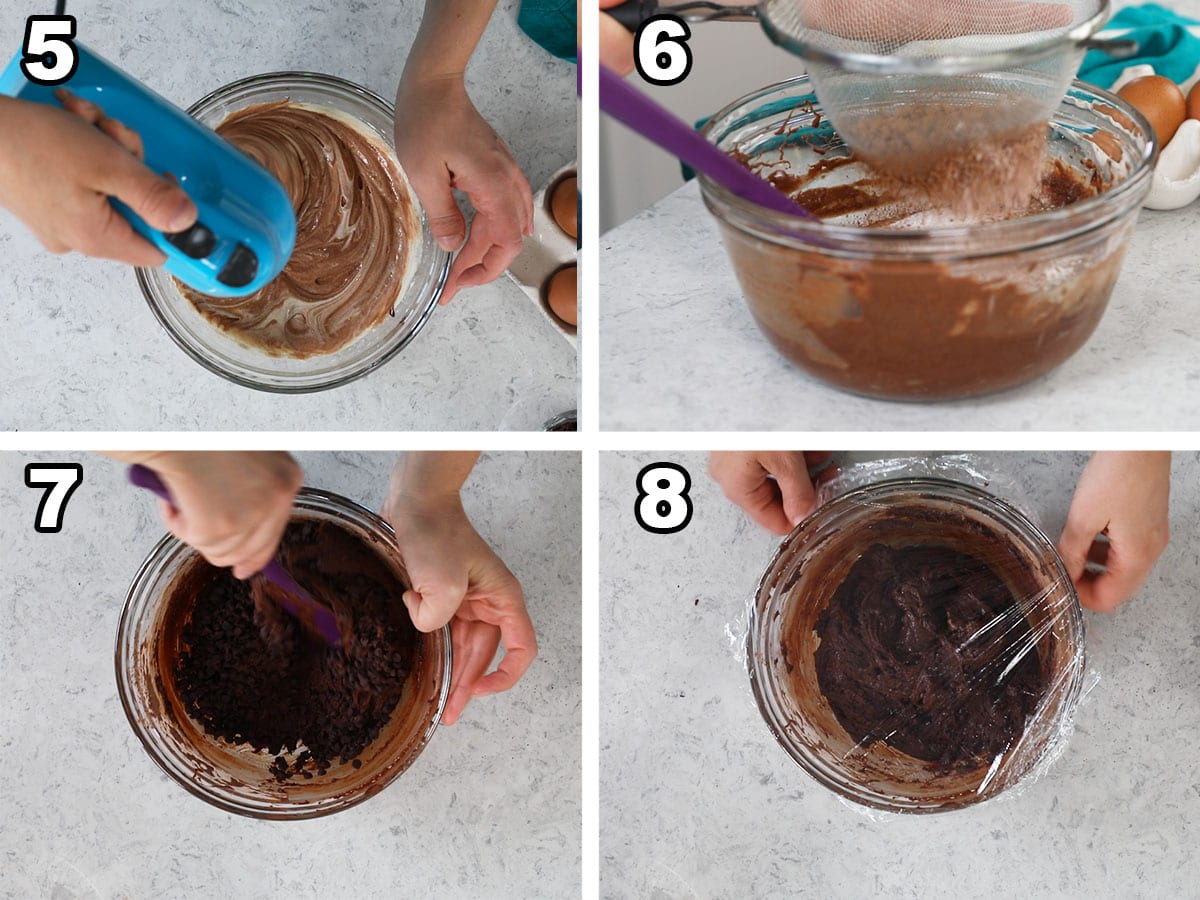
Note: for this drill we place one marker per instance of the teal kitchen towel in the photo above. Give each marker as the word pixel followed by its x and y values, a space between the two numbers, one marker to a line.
pixel 1164 42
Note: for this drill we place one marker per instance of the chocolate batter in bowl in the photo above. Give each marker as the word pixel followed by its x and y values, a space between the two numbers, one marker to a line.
pixel 890 296
pixel 917 645
pixel 366 273
pixel 192 641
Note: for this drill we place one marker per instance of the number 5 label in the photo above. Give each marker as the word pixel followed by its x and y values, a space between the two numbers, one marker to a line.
pixel 663 505
pixel 49 56
pixel 60 481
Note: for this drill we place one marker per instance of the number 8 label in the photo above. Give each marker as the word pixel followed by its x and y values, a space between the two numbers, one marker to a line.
pixel 663 505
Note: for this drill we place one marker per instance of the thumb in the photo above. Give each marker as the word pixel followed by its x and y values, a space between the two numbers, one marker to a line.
pixel 161 204
pixel 1073 546
pixel 799 498
pixel 795 487
pixel 431 609
pixel 446 222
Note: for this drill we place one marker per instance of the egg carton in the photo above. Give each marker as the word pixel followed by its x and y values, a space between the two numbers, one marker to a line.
pixel 544 253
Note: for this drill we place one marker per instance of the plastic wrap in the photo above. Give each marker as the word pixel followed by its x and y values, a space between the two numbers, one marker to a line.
pixel 916 644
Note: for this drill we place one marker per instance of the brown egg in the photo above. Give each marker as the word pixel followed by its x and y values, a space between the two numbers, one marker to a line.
pixel 564 205
pixel 561 293
pixel 1193 102
pixel 1161 101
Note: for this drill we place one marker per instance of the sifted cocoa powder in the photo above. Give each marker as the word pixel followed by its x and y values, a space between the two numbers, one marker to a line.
pixel 955 158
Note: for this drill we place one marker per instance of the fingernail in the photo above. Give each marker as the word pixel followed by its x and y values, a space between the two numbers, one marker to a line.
pixel 450 242
pixel 185 215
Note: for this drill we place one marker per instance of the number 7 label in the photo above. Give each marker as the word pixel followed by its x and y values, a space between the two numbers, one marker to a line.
pixel 60 481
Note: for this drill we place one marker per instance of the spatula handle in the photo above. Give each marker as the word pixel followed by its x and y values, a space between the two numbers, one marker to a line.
pixel 321 617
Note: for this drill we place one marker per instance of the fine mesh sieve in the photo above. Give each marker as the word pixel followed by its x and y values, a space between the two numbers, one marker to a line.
pixel 975 70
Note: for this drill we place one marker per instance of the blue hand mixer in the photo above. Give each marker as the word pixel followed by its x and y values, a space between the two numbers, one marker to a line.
pixel 246 229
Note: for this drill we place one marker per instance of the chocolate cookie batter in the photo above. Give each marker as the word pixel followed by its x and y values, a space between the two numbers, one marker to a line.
pixel 354 223
pixel 249 673
pixel 925 649
pixel 882 321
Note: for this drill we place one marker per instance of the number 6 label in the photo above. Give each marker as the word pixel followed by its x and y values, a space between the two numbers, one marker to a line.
pixel 49 56
pixel 60 480
pixel 660 50
pixel 663 505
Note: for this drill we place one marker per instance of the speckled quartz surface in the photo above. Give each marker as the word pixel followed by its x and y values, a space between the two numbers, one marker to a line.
pixel 83 350
pixel 697 799
pixel 490 809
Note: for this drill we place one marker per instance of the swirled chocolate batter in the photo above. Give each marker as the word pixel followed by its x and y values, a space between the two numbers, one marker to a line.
pixel 925 649
pixel 354 221
pixel 250 674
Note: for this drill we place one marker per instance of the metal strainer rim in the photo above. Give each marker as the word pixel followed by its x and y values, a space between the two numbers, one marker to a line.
pixel 961 64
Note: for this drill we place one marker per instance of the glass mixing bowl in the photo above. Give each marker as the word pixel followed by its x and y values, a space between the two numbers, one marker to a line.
pixel 807 570
pixel 928 310
pixel 238 778
pixel 428 264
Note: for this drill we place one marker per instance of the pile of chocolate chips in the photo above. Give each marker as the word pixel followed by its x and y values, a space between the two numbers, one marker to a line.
pixel 250 674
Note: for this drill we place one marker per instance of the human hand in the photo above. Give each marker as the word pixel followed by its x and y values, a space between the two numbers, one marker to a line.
pixel 232 507
pixel 773 488
pixel 58 167
pixel 457 578
pixel 616 43
pixel 444 143
pixel 928 20
pixel 1125 497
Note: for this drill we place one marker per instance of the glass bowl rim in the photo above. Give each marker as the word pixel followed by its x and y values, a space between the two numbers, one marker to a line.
pixel 982 501
pixel 145 277
pixel 1007 233
pixel 165 551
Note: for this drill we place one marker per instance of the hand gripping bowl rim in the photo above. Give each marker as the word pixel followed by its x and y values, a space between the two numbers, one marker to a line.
pixel 815 768
pixel 165 551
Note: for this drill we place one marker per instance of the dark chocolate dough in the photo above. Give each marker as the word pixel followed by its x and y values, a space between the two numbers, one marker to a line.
pixel 907 656
pixel 249 673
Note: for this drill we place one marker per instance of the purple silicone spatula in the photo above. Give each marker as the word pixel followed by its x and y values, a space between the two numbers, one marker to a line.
pixel 314 615
pixel 634 109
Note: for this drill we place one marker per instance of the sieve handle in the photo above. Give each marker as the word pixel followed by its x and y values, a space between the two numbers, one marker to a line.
pixel 635 110
pixel 1118 48
pixel 634 12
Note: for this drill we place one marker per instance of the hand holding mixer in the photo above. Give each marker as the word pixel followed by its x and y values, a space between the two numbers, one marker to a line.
pixel 246 229
pixel 1006 64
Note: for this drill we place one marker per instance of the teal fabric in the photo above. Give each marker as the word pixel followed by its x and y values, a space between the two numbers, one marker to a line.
pixel 552 24
pixel 1163 42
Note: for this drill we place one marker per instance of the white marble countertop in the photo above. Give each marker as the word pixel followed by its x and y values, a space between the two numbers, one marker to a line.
pixel 84 351
pixel 698 800
pixel 490 809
